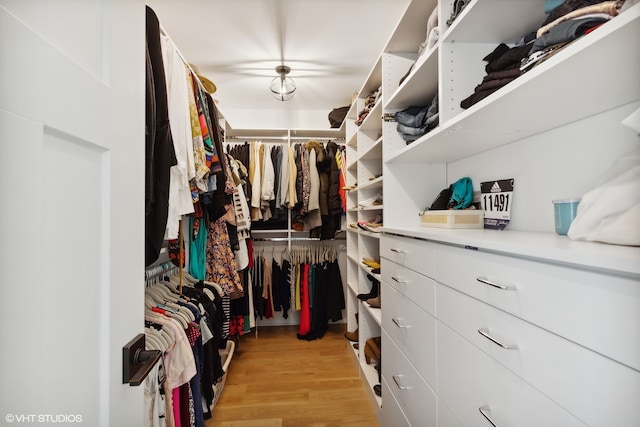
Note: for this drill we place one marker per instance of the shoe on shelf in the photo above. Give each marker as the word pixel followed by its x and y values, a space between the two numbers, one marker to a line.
pixel 376 270
pixel 377 389
pixel 375 289
pixel 352 336
pixel 372 349
pixel 374 302
pixel 371 262
pixel 377 199
pixel 373 228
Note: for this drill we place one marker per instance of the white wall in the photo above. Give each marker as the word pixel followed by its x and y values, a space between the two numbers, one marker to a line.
pixel 276 119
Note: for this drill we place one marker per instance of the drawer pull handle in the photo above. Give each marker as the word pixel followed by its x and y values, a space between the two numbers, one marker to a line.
pixel 398 251
pixel 483 410
pixel 395 279
pixel 397 322
pixel 401 387
pixel 495 285
pixel 485 333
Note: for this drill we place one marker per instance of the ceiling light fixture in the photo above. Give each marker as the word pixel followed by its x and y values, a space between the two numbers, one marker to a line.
pixel 283 87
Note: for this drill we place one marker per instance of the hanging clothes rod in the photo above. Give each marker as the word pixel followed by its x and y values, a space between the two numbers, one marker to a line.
pixel 294 239
pixel 164 32
pixel 277 138
pixel 159 270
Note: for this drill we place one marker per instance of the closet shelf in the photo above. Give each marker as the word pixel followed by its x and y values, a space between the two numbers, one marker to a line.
pixel 374 152
pixel 549 247
pixel 370 374
pixel 405 38
pixel 371 208
pixel 369 234
pixel 353 287
pixel 372 121
pixel 419 87
pixel 483 22
pixel 467 133
pixel 372 184
pixel 376 313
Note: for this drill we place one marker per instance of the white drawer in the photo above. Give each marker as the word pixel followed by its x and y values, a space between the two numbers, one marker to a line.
pixel 469 381
pixel 416 287
pixel 418 255
pixel 578 379
pixel 414 396
pixel 446 417
pixel 598 311
pixel 412 329
pixel 391 414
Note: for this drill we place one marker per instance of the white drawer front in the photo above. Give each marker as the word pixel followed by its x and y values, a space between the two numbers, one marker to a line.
pixel 578 379
pixel 417 255
pixel 412 329
pixel 470 381
pixel 604 310
pixel 416 287
pixel 446 417
pixel 416 399
pixel 391 414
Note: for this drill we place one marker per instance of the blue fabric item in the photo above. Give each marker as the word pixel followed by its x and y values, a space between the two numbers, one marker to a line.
pixel 412 116
pixel 197 249
pixel 462 193
pixel 549 5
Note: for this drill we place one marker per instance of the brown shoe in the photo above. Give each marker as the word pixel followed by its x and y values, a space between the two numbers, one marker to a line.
pixel 372 349
pixel 374 302
pixel 351 336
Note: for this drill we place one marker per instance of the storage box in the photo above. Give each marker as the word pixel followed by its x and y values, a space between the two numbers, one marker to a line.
pixel 469 218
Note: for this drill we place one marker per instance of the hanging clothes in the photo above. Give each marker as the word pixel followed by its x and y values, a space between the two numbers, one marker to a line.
pixel 160 154
pixel 221 267
pixel 180 202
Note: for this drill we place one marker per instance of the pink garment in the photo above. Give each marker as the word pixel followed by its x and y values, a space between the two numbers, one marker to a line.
pixel 305 313
pixel 175 397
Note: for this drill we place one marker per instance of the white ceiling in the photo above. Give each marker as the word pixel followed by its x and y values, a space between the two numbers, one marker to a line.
pixel 330 45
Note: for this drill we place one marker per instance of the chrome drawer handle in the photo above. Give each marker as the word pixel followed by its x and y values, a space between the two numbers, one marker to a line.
pixel 397 322
pixel 483 410
pixel 485 333
pixel 398 251
pixel 395 279
pixel 401 387
pixel 495 285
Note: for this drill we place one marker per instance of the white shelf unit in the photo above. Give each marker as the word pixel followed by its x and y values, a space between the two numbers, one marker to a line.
pixel 365 144
pixel 287 137
pixel 555 130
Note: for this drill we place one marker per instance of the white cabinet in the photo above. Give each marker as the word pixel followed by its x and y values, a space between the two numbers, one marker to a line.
pixel 578 379
pixel 475 387
pixel 364 177
pixel 571 310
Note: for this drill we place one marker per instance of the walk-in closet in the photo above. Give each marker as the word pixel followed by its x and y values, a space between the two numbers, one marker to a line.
pixel 221 213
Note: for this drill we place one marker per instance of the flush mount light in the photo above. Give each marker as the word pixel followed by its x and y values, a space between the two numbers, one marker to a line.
pixel 283 87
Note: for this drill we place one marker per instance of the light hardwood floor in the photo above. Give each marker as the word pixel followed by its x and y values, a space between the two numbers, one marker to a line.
pixel 278 380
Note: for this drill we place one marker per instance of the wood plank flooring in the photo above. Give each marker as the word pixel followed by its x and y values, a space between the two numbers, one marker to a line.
pixel 277 380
